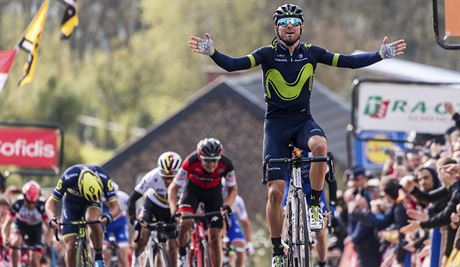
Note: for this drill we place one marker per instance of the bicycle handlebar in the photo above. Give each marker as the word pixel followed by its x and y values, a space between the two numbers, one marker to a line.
pixel 75 223
pixel 202 216
pixel 268 160
pixel 160 226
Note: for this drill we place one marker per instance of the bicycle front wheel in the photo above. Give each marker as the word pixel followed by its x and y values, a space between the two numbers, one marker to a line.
pixel 299 235
pixel 304 233
pixel 206 255
pixel 158 256
pixel 83 257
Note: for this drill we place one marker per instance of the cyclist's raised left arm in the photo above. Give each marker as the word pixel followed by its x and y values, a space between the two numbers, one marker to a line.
pixel 387 50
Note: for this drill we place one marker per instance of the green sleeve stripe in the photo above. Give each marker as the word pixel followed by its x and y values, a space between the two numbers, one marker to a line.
pixel 253 60
pixel 335 59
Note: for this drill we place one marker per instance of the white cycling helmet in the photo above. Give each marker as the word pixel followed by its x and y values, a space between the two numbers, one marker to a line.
pixel 169 163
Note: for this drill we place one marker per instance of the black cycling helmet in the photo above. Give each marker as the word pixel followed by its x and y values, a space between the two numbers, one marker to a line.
pixel 209 148
pixel 288 11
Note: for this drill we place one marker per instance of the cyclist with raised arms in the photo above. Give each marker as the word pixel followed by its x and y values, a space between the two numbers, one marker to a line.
pixel 28 214
pixel 82 187
pixel 200 176
pixel 288 67
pixel 156 206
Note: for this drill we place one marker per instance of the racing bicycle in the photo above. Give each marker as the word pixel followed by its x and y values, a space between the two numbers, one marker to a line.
pixel 84 256
pixel 200 254
pixel 299 233
pixel 157 253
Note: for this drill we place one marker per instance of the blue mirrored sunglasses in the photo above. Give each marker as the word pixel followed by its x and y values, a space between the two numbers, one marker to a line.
pixel 285 21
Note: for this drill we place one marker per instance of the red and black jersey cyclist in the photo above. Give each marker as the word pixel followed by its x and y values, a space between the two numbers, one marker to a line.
pixel 27 215
pixel 82 188
pixel 200 176
pixel 288 67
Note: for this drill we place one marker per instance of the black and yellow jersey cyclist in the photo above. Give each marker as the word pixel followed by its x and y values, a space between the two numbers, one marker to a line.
pixel 288 67
pixel 82 188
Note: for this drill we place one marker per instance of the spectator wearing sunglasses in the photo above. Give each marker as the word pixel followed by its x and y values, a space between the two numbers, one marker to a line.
pixel 288 67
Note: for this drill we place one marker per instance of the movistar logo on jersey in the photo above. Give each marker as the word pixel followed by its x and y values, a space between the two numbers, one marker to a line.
pixel 284 90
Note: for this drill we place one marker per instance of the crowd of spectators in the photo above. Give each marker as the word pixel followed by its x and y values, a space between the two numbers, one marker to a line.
pixel 407 213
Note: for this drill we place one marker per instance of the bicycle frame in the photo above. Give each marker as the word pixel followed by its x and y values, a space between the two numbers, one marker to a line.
pixel 81 242
pixel 158 240
pixel 199 240
pixel 300 235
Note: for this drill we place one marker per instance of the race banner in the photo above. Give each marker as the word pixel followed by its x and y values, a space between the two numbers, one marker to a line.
pixel 29 147
pixel 406 107
pixel 373 153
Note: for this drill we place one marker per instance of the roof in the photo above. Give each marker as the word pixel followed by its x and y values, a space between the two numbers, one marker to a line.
pixel 407 70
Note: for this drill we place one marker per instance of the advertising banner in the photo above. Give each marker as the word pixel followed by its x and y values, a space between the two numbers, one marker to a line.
pixel 29 147
pixel 399 107
pixel 372 154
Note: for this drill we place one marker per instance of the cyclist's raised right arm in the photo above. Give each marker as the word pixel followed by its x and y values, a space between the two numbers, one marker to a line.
pixel 206 46
pixel 234 64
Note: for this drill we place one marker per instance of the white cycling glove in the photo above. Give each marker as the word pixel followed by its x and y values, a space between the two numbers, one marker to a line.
pixel 249 248
pixel 206 46
pixel 387 50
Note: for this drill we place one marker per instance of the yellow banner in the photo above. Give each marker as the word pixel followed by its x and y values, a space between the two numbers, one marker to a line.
pixel 30 41
pixel 70 19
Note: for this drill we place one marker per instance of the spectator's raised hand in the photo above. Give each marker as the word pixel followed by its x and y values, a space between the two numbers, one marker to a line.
pixel 410 247
pixel 418 215
pixel 452 169
pixel 412 227
pixel 449 108
pixel 407 183
pixel 361 202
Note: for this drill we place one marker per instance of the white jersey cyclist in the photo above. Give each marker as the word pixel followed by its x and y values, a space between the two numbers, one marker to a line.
pixel 155 186
pixel 239 208
pixel 155 208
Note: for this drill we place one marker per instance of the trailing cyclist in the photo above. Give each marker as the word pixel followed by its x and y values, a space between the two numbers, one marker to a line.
pixel 156 206
pixel 118 228
pixel 239 233
pixel 27 215
pixel 200 176
pixel 288 67
pixel 82 188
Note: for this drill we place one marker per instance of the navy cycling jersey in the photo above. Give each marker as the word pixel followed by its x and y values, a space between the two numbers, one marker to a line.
pixel 68 184
pixel 288 79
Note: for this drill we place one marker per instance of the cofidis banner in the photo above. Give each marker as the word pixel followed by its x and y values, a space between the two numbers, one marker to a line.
pixel 29 147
